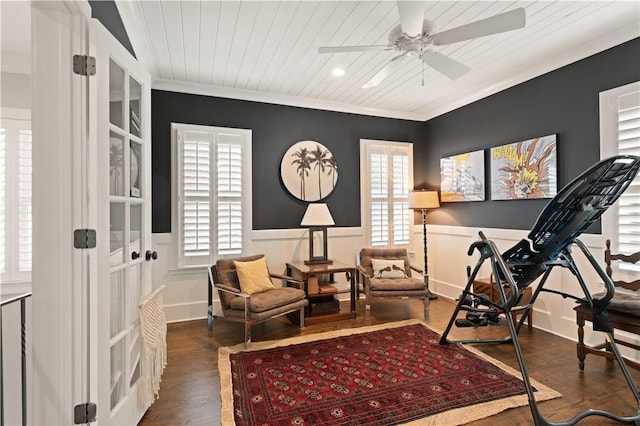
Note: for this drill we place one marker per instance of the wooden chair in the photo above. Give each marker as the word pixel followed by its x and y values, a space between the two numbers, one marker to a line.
pixel 623 310
pixel 392 283
pixel 253 308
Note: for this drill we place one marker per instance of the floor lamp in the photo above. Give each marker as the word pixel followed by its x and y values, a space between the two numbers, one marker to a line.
pixel 424 200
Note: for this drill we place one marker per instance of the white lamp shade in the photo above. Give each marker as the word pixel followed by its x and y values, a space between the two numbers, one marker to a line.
pixel 423 200
pixel 317 214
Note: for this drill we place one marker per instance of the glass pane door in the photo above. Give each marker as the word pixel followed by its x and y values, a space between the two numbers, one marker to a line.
pixel 126 233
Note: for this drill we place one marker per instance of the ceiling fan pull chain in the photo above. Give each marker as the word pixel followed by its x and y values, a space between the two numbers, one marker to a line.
pixel 422 73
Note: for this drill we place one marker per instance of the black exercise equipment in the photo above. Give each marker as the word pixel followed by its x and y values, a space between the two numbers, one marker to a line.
pixel 549 244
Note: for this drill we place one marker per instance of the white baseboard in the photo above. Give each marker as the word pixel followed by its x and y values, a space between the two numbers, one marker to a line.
pixel 186 311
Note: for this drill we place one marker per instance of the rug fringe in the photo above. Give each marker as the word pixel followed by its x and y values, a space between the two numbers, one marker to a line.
pixel 270 344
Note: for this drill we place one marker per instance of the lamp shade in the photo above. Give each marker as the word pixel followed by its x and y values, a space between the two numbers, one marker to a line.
pixel 423 199
pixel 317 214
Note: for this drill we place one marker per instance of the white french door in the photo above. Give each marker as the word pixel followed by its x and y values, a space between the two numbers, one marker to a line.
pixel 62 275
pixel 122 91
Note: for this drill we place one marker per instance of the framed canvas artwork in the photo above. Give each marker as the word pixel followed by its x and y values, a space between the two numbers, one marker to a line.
pixel 524 170
pixel 462 177
pixel 309 171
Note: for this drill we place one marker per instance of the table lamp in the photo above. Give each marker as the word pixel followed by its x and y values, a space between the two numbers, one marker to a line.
pixel 317 218
pixel 424 200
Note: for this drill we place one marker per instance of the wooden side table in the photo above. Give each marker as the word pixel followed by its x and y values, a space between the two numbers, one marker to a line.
pixel 488 287
pixel 322 304
pixel 618 321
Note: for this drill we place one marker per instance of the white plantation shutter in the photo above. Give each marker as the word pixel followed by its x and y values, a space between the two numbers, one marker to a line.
pixel 379 197
pixel 196 162
pixel 16 169
pixel 213 206
pixel 25 169
pixel 229 177
pixel 387 179
pixel 400 172
pixel 197 228
pixel 3 192
pixel 629 144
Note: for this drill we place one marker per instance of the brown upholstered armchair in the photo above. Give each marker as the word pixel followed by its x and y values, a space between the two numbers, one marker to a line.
pixel 386 273
pixel 252 308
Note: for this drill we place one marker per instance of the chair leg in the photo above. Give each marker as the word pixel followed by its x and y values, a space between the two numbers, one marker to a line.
pixel 247 334
pixel 301 318
pixel 425 302
pixel 580 347
pixel 210 318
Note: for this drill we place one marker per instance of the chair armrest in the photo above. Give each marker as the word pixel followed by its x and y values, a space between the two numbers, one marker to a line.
pixel 286 278
pixel 418 270
pixel 297 283
pixel 231 290
pixel 362 270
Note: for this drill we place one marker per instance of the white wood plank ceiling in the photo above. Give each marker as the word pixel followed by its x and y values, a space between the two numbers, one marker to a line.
pixel 268 50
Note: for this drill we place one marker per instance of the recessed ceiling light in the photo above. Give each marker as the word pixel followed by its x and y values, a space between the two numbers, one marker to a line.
pixel 337 72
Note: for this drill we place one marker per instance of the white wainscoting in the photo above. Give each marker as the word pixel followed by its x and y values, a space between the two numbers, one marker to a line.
pixel 185 295
pixel 448 258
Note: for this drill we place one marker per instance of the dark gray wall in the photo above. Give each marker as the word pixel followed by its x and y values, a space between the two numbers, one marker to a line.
pixel 564 101
pixel 107 13
pixel 274 129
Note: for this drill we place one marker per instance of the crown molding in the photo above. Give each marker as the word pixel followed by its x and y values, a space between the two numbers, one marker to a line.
pixel 271 98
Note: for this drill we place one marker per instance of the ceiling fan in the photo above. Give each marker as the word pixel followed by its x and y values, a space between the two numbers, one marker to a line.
pixel 415 36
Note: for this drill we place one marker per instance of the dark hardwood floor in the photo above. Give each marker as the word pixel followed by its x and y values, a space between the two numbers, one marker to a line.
pixel 190 388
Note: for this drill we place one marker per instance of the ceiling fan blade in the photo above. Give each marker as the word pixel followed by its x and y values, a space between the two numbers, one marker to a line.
pixel 445 65
pixel 342 49
pixel 411 16
pixel 496 24
pixel 385 72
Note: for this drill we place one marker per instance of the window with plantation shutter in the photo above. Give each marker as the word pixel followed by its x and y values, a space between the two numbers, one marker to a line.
pixel 629 144
pixel 620 135
pixel 3 222
pixel 16 171
pixel 211 215
pixel 386 179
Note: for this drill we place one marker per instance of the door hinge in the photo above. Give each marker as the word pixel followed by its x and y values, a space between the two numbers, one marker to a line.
pixel 84 238
pixel 85 413
pixel 84 65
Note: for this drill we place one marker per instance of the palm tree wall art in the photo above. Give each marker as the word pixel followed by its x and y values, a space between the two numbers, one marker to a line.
pixel 309 171
pixel 116 166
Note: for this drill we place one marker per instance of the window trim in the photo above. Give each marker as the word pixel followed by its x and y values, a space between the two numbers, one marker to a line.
pixel 608 111
pixel 15 276
pixel 365 198
pixel 246 197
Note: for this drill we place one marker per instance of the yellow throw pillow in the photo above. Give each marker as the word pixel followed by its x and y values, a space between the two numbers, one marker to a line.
pixel 383 268
pixel 253 276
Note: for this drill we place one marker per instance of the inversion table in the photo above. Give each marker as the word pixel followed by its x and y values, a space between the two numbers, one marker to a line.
pixel 549 244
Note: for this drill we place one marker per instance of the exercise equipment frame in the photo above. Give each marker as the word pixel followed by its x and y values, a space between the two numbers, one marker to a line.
pixel 549 245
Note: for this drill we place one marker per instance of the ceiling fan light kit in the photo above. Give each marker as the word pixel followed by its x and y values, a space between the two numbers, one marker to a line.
pixel 415 37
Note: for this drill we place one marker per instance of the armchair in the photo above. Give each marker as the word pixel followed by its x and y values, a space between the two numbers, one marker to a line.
pixel 386 273
pixel 257 307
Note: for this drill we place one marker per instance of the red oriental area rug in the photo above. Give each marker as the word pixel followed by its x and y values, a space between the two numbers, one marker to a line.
pixel 380 375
